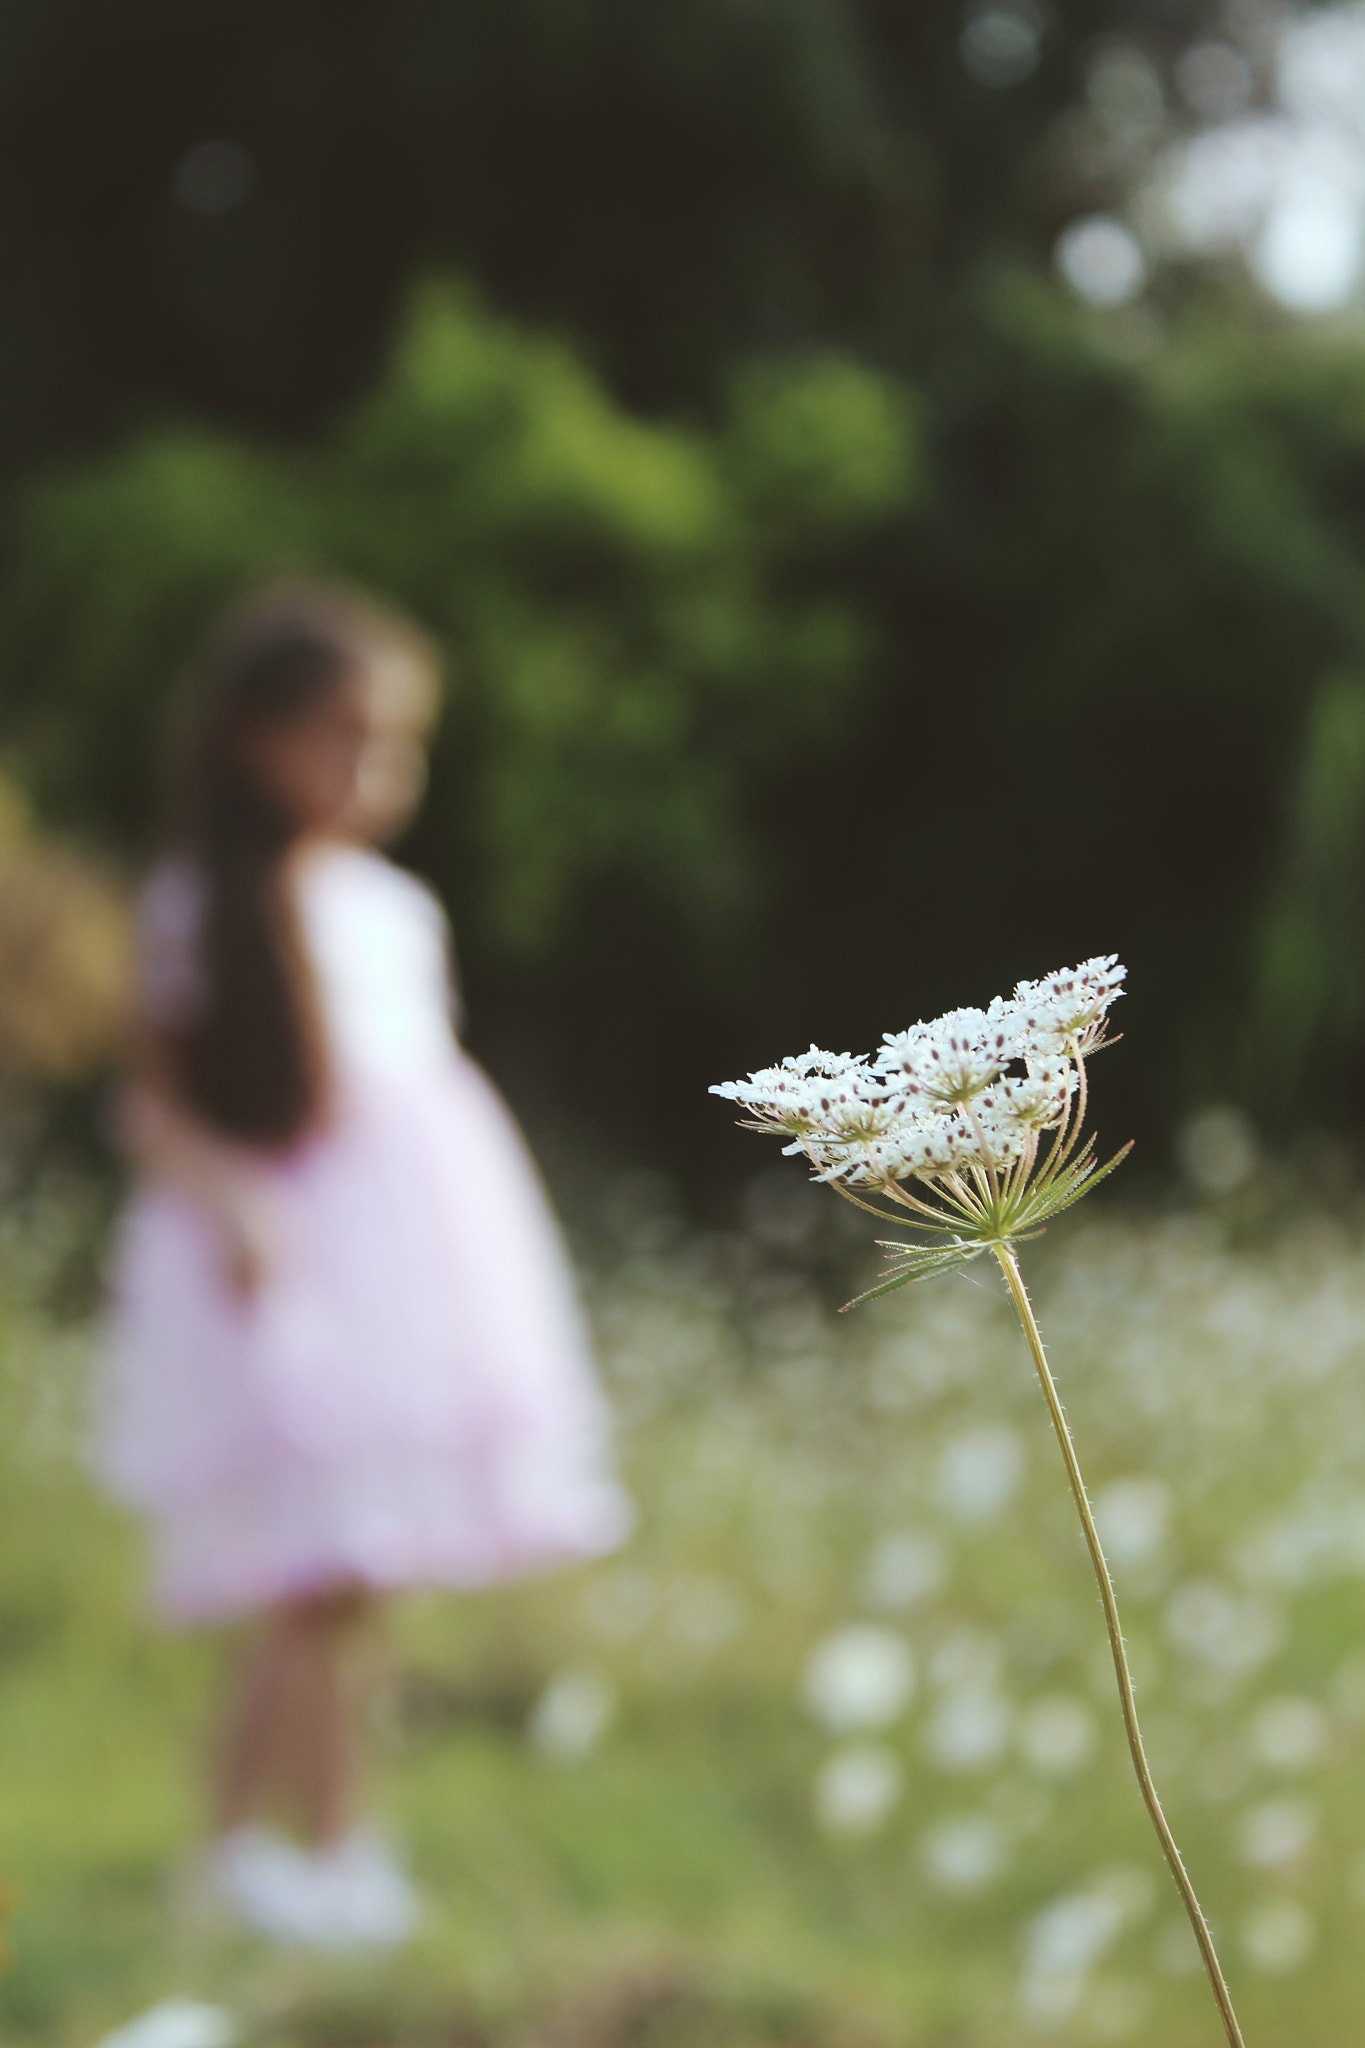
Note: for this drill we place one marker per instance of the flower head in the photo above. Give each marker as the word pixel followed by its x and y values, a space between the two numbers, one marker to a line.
pixel 981 1108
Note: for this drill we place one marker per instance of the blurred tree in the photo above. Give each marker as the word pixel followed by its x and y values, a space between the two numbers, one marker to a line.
pixel 643 615
pixel 222 206
pixel 905 724
pixel 1054 698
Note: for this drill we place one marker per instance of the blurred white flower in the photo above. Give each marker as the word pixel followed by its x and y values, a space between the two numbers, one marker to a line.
pixel 969 1728
pixel 1278 1831
pixel 905 1568
pixel 1065 1941
pixel 1287 187
pixel 1210 194
pixel 572 1714
pixel 858 1788
pixel 1308 251
pixel 1321 67
pixel 863 1677
pixel 1000 42
pixel 1132 1516
pixel 176 2023
pixel 1101 260
pixel 964 1853
pixel 1290 1552
pixel 1289 1734
pixel 1218 1150
pixel 1279 1936
pixel 1057 1734
pixel 980 1472
pixel 1230 1634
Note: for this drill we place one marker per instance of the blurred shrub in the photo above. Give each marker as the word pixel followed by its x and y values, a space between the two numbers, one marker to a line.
pixel 63 955
pixel 638 613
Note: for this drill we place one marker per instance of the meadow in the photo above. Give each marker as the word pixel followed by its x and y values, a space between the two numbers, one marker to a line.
pixel 829 1755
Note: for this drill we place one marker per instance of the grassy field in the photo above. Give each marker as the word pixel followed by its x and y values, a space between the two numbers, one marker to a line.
pixel 830 1755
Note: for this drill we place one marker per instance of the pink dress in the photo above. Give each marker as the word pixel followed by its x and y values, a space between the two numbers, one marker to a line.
pixel 409 1400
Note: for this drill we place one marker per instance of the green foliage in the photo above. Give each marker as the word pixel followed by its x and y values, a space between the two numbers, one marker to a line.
pixel 628 635
pixel 1311 983
pixel 817 448
pixel 710 677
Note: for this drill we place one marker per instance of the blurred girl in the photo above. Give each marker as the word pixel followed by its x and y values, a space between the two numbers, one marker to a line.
pixel 346 1352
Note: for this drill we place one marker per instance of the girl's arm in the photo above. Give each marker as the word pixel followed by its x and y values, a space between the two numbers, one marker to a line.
pixel 168 1143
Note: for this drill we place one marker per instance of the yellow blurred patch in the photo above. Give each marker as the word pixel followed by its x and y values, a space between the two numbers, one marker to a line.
pixel 65 953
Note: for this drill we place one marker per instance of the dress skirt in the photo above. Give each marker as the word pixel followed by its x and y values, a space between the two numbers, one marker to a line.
pixel 407 1400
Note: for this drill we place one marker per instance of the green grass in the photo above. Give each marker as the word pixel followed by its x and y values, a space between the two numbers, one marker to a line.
pixel 676 1884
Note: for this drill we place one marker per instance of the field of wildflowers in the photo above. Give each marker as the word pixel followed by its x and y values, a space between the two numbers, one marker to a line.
pixel 830 1754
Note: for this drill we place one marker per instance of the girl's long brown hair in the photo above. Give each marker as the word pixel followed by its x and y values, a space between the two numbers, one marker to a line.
pixel 251 1060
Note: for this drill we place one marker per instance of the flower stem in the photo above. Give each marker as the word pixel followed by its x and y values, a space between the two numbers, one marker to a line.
pixel 1024 1308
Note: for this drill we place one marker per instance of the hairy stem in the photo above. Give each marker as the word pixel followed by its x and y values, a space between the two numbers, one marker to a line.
pixel 1024 1308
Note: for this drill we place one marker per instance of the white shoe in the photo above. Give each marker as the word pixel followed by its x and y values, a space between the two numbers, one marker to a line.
pixel 373 1902
pixel 271 1885
pixel 351 1895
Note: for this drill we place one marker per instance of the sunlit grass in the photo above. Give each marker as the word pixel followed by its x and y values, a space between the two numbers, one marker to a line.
pixel 697 1857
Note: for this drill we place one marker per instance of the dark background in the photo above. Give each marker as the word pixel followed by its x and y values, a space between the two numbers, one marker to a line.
pixel 1090 621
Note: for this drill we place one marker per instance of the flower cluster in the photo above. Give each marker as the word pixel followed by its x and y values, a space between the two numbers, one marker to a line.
pixel 973 1089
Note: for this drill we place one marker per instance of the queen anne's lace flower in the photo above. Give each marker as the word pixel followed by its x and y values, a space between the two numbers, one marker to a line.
pixel 974 1089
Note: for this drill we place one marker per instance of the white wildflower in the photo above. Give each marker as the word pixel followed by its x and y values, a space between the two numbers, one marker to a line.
pixel 862 1677
pixel 176 2023
pixel 969 1728
pixel 1277 1831
pixel 980 1471
pixel 905 1568
pixel 1058 1735
pixel 1064 1013
pixel 858 1788
pixel 1289 1734
pixel 572 1714
pixel 952 1059
pixel 1279 1936
pixel 1133 1515
pixel 962 1104
pixel 964 1853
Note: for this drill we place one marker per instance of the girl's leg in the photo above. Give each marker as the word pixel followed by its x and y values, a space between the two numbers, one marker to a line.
pixel 245 1761
pixel 290 1729
pixel 319 1752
